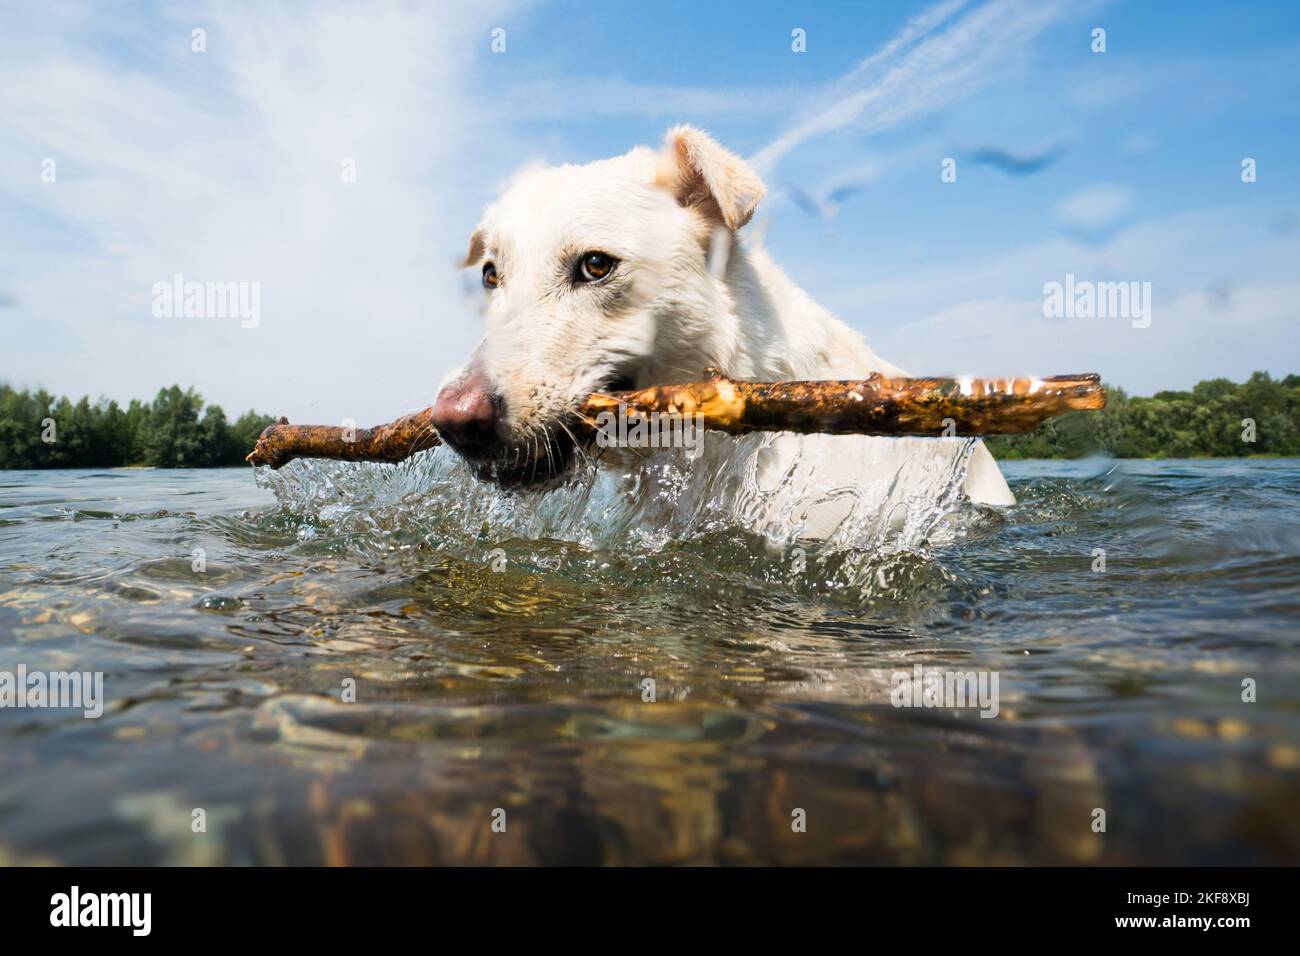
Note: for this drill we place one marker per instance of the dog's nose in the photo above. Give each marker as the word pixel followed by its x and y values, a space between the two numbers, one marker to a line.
pixel 466 414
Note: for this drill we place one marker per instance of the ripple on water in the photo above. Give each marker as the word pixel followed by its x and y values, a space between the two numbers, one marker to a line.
pixel 634 676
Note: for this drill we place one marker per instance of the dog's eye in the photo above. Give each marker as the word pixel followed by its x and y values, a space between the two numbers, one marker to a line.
pixel 490 278
pixel 595 266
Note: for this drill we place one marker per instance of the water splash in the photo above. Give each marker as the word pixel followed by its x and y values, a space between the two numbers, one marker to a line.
pixel 849 511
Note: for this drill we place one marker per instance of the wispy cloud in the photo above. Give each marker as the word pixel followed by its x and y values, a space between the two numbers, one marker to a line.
pixel 928 66
pixel 227 165
pixel 1094 207
pixel 553 98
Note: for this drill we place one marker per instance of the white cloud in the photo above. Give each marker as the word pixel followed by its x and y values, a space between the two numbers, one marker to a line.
pixel 984 314
pixel 1094 207
pixel 226 166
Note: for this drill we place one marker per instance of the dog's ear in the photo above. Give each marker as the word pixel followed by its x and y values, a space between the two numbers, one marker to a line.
pixel 703 174
pixel 475 252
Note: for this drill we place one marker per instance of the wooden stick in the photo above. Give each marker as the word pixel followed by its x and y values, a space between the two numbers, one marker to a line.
pixel 872 406
pixel 396 441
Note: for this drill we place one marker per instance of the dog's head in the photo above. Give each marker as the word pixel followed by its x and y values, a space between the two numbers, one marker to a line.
pixel 595 277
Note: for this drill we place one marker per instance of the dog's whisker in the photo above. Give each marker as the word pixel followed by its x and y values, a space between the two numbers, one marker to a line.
pixel 577 445
pixel 546 441
pixel 592 422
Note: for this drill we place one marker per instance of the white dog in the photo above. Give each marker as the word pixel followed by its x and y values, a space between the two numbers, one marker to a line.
pixel 629 272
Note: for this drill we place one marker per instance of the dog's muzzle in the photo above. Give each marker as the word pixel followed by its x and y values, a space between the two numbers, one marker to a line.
pixel 467 414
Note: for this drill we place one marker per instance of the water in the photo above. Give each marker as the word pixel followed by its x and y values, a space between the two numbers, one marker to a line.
pixel 499 646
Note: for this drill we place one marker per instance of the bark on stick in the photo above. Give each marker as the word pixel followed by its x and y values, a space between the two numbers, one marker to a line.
pixel 872 406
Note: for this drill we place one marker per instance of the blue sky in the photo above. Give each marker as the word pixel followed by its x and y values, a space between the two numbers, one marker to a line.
pixel 224 165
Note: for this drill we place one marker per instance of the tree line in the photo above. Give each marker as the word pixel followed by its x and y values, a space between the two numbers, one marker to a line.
pixel 1216 419
pixel 176 430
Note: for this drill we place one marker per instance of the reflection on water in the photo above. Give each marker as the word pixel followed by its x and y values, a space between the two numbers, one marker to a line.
pixel 500 646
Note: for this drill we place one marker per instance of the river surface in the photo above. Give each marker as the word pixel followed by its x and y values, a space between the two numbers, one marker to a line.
pixel 343 664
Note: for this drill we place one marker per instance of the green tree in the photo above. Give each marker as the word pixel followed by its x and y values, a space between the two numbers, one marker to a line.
pixel 1208 421
pixel 175 430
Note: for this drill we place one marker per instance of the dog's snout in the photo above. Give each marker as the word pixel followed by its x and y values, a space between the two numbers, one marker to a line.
pixel 467 412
